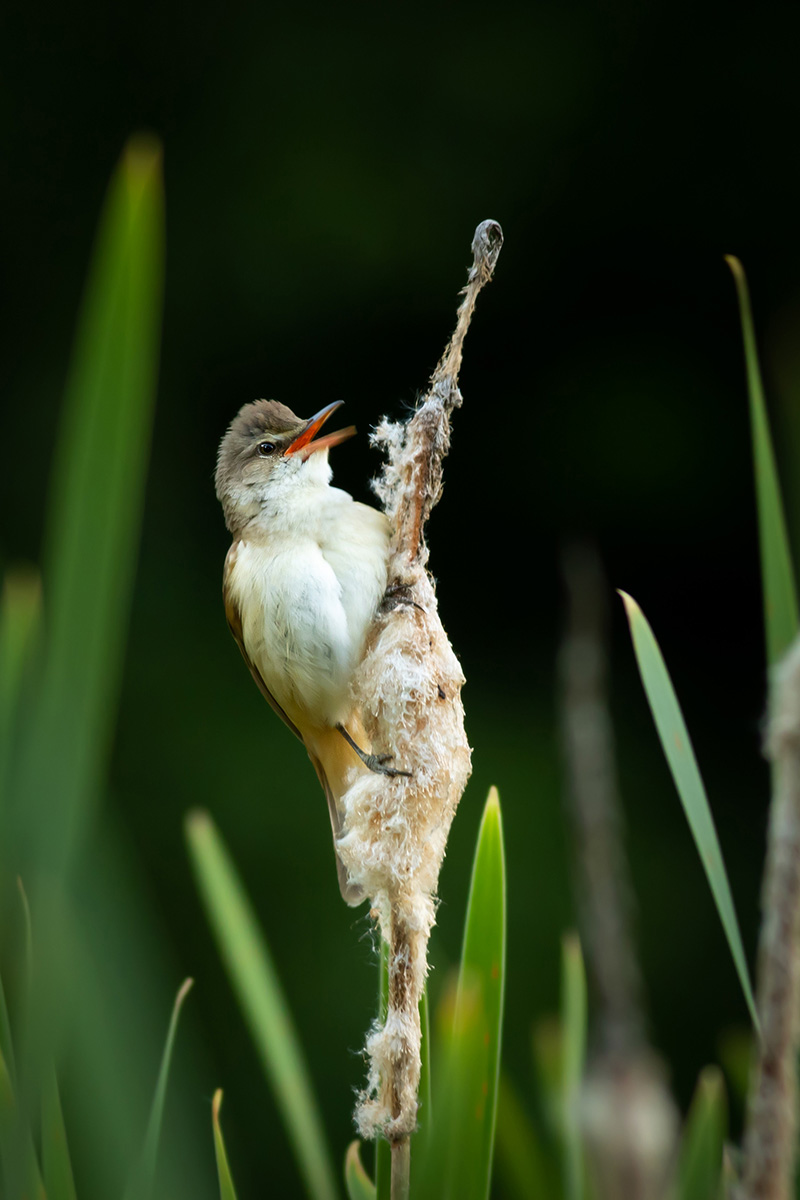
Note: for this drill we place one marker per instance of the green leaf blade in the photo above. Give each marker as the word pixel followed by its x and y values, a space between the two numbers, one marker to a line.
pixel 263 1003
pixel 700 1162
pixel 226 1189
pixel 140 1186
pixel 458 1162
pixel 20 621
pixel 484 958
pixel 781 621
pixel 7 1056
pixel 59 1182
pixel 677 747
pixel 525 1158
pixel 95 508
pixel 359 1185
pixel 574 1017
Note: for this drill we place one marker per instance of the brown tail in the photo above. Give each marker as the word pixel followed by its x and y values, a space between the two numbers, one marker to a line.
pixel 337 765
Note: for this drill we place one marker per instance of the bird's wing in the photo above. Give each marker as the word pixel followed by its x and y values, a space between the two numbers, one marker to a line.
pixel 350 894
pixel 234 618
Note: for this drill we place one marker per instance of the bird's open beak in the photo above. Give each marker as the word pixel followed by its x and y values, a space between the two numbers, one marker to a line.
pixel 305 446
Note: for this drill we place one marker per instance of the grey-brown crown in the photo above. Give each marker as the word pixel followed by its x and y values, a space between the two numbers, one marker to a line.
pixel 258 418
pixel 253 423
pixel 260 421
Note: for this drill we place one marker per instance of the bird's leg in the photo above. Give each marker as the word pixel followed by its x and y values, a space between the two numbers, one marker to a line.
pixel 375 762
pixel 395 595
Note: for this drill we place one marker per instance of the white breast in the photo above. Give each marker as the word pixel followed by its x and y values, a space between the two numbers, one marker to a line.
pixel 307 593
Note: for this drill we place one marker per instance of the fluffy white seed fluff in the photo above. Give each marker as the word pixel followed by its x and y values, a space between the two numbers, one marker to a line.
pixel 409 690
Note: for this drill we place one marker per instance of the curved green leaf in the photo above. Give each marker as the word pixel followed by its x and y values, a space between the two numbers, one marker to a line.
pixel 525 1158
pixel 226 1189
pixel 359 1184
pixel 7 1056
pixel 20 619
pixel 141 1183
pixel 95 507
pixel 59 1182
pixel 261 998
pixel 700 1163
pixel 573 1003
pixel 777 576
pixel 457 1161
pixel 677 747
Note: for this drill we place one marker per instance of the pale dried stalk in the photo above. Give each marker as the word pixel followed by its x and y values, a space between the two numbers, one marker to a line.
pixel 628 1118
pixel 602 885
pixel 771 1126
pixel 409 690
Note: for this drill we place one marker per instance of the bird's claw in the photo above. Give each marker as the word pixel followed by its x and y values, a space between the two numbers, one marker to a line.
pixel 377 763
pixel 374 762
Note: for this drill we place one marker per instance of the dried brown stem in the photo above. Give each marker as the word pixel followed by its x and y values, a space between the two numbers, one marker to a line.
pixel 401 989
pixel 409 690
pixel 601 868
pixel 428 430
pixel 628 1118
pixel 401 1169
pixel 771 1127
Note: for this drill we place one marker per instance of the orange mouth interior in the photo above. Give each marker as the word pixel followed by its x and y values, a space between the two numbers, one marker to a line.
pixel 304 444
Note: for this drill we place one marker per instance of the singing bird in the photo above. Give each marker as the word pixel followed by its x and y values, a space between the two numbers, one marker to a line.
pixel 303 580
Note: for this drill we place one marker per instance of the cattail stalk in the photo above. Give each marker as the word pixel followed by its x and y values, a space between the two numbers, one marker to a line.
pixel 409 690
pixel 627 1116
pixel 771 1126
pixel 602 884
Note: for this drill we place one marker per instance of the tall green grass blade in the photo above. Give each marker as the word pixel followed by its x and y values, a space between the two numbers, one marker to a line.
pixel 94 513
pixel 263 1003
pixel 574 1026
pixel 59 1182
pixel 6 1039
pixel 677 747
pixel 27 928
pixel 9 1131
pixel 226 1189
pixel 735 1050
pixel 68 701
pixel 778 580
pixel 19 1169
pixel 359 1185
pixel 700 1164
pixel 547 1050
pixel 458 1163
pixel 483 960
pixel 524 1160
pixel 140 1186
pixel 6 1089
pixel 20 614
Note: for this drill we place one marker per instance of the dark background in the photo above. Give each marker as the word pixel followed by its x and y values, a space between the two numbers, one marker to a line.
pixel 325 168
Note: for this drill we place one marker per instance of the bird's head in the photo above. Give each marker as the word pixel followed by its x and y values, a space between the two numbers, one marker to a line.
pixel 267 449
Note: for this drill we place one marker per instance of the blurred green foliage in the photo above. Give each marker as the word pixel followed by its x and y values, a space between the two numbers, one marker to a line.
pixel 63 655
pixel 324 175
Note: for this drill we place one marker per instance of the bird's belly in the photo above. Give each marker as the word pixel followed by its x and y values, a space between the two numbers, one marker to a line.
pixel 296 631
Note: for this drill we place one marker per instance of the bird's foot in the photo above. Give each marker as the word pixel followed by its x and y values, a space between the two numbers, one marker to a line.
pixel 374 762
pixel 395 595
pixel 377 763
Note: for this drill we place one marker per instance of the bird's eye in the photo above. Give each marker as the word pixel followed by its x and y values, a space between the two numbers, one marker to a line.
pixel 266 448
